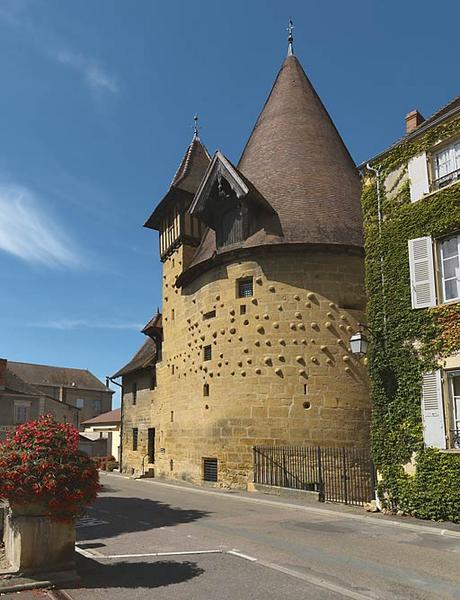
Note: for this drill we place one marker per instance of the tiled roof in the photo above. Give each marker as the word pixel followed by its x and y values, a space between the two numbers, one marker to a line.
pixel 17 385
pixel 144 358
pixel 154 325
pixel 185 182
pixel 445 112
pixel 297 160
pixel 113 416
pixel 56 376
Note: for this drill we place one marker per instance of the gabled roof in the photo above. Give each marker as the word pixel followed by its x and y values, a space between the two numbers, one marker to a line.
pixel 299 163
pixel 144 358
pixel 15 385
pixel 243 188
pixel 185 182
pixel 444 113
pixel 56 376
pixel 113 416
pixel 154 328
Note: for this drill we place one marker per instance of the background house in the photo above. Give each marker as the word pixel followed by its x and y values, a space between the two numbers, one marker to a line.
pixel 21 402
pixel 105 427
pixel 411 203
pixel 77 387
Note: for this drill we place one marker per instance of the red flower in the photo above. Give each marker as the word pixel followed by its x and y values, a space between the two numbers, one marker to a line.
pixel 41 461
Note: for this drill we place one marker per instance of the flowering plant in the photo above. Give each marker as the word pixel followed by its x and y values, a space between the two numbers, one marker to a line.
pixel 40 463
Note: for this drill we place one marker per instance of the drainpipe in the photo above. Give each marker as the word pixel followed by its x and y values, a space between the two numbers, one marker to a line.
pixel 380 218
pixel 112 380
pixel 376 172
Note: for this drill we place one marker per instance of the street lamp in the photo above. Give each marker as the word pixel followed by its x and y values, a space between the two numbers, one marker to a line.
pixel 358 343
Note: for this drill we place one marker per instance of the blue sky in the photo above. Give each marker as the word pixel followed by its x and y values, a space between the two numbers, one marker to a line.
pixel 96 109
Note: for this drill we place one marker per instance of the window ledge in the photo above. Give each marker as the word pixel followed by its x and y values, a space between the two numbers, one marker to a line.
pixel 450 451
pixel 433 192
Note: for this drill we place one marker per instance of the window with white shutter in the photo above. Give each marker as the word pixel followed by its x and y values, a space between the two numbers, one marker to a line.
pixel 434 433
pixel 446 165
pixel 422 281
pixel 450 267
pixel 418 177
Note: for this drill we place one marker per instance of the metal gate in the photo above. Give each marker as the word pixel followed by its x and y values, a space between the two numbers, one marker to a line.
pixel 339 474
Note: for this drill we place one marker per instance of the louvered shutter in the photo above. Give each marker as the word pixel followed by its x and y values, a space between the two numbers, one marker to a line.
pixel 434 433
pixel 422 284
pixel 418 177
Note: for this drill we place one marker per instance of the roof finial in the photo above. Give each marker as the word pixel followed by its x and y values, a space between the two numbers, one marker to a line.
pixel 195 128
pixel 290 28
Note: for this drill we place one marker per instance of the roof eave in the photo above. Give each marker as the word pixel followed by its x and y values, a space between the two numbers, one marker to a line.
pixel 410 136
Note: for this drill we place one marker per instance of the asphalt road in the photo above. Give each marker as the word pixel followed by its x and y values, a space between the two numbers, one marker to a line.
pixel 145 539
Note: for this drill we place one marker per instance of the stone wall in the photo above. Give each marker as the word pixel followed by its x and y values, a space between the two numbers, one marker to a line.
pixel 280 371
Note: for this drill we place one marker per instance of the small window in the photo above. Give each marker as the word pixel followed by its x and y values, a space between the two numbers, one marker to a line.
pixel 209 315
pixel 210 469
pixel 79 403
pixel 206 389
pixel 245 288
pixel 446 164
pixel 243 309
pixel 207 353
pixel 97 405
pixel 21 414
pixel 172 416
pixel 450 268
pixel 135 437
pixel 172 314
pixel 134 392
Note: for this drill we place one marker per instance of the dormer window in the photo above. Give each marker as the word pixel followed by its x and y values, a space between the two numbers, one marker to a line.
pixel 446 165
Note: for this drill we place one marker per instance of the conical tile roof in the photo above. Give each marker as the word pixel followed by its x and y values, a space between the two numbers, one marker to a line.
pixel 297 160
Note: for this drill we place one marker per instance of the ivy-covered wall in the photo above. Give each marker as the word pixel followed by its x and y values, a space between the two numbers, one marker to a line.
pixel 407 342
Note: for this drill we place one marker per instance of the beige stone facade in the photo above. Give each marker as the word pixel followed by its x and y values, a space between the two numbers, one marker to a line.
pixel 258 302
pixel 280 371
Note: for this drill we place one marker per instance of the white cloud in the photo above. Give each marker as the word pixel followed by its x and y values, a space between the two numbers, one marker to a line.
pixel 65 324
pixel 27 232
pixel 94 75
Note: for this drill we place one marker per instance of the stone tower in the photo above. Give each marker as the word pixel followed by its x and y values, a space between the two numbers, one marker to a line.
pixel 262 288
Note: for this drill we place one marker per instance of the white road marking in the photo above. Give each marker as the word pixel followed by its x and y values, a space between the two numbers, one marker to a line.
pixel 85 553
pixel 317 582
pixel 322 511
pixel 241 555
pixel 90 522
pixel 152 554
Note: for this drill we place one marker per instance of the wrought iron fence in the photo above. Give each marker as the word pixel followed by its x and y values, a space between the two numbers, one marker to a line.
pixel 339 474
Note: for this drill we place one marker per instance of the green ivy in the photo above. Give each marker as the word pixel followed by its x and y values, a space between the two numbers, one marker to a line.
pixel 407 342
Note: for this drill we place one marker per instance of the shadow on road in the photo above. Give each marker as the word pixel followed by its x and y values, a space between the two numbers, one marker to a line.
pixel 125 515
pixel 135 575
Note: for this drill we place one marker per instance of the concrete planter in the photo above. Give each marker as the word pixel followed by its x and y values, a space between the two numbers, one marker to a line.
pixel 36 543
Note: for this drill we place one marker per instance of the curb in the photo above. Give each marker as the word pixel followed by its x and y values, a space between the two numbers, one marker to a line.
pixel 18 584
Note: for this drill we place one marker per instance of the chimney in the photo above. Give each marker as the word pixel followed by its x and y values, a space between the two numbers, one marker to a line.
pixel 3 363
pixel 413 120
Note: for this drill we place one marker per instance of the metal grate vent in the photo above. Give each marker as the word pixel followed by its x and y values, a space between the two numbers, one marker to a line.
pixel 210 469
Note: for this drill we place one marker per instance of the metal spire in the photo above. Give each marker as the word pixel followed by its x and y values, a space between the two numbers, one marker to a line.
pixel 290 29
pixel 195 128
